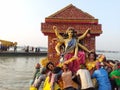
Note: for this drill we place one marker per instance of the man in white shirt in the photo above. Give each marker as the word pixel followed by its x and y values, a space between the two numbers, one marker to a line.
pixel 84 78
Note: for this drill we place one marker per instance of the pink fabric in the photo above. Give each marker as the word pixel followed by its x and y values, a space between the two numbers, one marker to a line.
pixel 74 66
pixel 52 79
pixel 67 79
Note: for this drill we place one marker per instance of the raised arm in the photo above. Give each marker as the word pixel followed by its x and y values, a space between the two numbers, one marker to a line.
pixel 84 35
pixel 100 58
pixel 57 33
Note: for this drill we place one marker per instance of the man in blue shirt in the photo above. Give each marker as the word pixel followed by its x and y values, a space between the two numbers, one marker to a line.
pixel 102 78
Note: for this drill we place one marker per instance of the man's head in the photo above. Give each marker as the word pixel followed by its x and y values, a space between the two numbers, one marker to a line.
pixel 37 66
pixel 97 65
pixel 92 56
pixel 82 66
pixel 65 66
pixel 118 65
pixel 50 66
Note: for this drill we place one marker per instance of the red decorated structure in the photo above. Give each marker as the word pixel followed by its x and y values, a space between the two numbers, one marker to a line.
pixel 70 16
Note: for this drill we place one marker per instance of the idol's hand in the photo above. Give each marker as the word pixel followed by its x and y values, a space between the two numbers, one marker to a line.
pixel 54 27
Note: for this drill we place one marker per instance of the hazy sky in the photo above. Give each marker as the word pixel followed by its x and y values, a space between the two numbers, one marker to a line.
pixel 20 20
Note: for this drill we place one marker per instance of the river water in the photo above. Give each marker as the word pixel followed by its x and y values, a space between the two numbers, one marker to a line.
pixel 16 72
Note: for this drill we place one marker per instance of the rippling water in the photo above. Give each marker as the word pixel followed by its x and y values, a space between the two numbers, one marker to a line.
pixel 16 72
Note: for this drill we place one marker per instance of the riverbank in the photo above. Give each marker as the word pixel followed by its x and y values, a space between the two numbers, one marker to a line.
pixel 42 53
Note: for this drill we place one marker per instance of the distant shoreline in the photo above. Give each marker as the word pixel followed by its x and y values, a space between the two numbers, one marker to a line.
pixel 42 53
pixel 105 51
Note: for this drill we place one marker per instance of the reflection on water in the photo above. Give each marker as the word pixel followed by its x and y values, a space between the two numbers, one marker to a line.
pixel 16 72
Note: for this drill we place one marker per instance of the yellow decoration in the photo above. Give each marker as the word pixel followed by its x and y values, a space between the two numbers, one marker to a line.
pixel 47 85
pixel 91 64
pixel 7 43
pixel 44 61
pixel 33 88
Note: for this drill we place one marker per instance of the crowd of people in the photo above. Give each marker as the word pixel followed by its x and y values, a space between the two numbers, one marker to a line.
pixel 78 67
pixel 94 75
